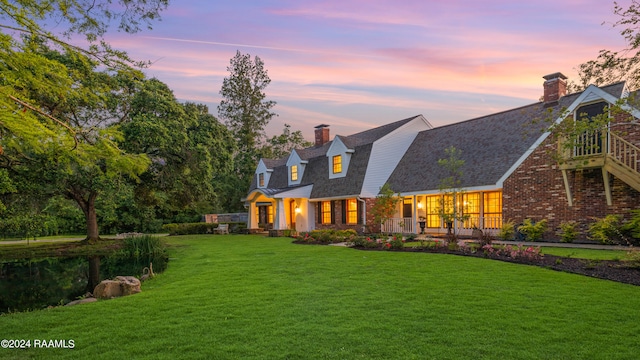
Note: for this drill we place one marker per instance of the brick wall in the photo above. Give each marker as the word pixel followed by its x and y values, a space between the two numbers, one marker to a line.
pixel 536 190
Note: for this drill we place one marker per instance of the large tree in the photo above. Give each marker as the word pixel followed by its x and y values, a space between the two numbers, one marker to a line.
pixel 80 159
pixel 245 110
pixel 190 151
pixel 56 109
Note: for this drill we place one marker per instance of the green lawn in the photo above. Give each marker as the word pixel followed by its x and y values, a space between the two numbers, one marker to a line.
pixel 251 297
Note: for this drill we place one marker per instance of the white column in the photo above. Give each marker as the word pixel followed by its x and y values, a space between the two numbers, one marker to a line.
pixel 280 221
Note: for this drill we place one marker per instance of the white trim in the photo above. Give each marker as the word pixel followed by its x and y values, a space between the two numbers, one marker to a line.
pixel 590 94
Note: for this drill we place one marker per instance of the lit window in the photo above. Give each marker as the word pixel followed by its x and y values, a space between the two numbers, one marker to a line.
pixel 337 164
pixel 431 212
pixel 352 211
pixel 471 208
pixel 294 172
pixel 326 212
pixel 270 214
pixel 261 179
pixel 493 210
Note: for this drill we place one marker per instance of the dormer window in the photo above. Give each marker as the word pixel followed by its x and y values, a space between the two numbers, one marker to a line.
pixel 261 180
pixel 337 164
pixel 294 172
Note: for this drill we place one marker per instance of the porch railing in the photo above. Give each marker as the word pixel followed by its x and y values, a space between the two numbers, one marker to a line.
pixel 488 224
pixel 399 225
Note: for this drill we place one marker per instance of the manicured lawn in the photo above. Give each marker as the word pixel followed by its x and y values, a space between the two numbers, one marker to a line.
pixel 591 254
pixel 250 297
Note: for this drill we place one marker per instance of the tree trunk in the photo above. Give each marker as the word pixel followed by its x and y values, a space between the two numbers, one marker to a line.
pixel 88 207
pixel 92 223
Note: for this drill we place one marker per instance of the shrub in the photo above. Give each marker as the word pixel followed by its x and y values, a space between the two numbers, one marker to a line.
pixel 533 230
pixel 632 227
pixel 396 242
pixel 568 231
pixel 604 230
pixel 507 231
pixel 189 228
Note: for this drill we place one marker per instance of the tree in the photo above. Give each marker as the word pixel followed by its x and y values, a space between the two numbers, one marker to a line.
pixel 81 160
pixel 191 152
pixel 384 206
pixel 281 145
pixel 612 66
pixel 246 112
pixel 55 108
pixel 451 209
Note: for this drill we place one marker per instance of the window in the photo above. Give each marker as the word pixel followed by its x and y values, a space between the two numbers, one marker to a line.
pixel 471 208
pixel 326 212
pixel 493 210
pixel 294 172
pixel 431 212
pixel 337 164
pixel 261 180
pixel 352 211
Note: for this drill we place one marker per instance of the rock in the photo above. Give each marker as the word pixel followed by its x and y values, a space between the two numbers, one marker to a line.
pixel 82 301
pixel 108 289
pixel 129 285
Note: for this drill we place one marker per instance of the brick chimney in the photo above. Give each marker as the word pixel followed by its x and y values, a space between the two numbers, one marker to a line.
pixel 322 134
pixel 555 87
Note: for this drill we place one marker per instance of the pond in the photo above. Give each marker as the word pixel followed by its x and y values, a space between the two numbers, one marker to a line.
pixel 38 284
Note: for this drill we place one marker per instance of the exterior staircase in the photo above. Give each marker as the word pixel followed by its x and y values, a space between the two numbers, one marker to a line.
pixel 607 151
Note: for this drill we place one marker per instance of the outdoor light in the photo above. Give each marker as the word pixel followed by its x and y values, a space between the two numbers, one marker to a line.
pixel 298 210
pixel 419 205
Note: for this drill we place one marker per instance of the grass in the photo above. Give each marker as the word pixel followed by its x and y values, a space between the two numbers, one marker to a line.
pixel 590 254
pixel 250 297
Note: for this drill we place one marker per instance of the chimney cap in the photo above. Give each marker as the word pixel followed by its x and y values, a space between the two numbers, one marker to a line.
pixel 321 126
pixel 555 75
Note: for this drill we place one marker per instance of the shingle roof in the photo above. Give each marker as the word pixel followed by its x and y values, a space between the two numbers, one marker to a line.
pixel 317 171
pixel 490 145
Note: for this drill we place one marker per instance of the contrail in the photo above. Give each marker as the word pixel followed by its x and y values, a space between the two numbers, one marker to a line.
pixel 257 46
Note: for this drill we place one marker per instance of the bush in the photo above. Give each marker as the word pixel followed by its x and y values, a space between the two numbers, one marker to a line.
pixel 190 228
pixel 632 227
pixel 533 230
pixel 507 231
pixel 568 232
pixel 605 230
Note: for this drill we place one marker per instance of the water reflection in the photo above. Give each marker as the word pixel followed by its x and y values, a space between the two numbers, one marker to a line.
pixel 37 284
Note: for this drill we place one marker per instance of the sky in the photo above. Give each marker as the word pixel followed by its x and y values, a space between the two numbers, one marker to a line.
pixel 355 65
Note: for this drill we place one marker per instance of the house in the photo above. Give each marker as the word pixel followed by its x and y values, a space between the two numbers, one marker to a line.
pixel 513 169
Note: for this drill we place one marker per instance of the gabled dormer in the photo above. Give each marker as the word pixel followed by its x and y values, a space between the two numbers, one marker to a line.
pixel 295 168
pixel 263 174
pixel 339 157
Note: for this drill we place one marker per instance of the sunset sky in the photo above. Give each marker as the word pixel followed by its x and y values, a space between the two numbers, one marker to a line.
pixel 355 65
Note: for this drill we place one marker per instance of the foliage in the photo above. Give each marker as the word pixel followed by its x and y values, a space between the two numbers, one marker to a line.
pixel 451 207
pixel 533 230
pixel 245 111
pixel 327 236
pixel 612 66
pixel 519 251
pixel 605 230
pixel 507 231
pixel 281 145
pixel 384 206
pixel 190 228
pixel 144 245
pixel 568 231
pixel 632 227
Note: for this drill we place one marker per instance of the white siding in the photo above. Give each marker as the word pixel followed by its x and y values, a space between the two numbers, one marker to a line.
pixel 387 152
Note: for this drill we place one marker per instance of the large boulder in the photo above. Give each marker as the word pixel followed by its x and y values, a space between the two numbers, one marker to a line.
pixel 108 289
pixel 129 285
pixel 121 286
